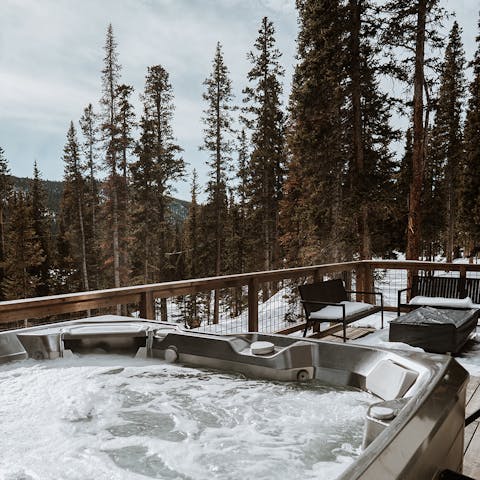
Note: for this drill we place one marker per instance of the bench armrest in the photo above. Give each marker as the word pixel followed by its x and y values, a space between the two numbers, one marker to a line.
pixel 325 304
pixel 399 298
pixel 361 291
pixel 368 293
pixel 399 294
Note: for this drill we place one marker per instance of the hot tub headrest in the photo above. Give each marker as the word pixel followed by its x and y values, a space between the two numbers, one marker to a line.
pixel 389 380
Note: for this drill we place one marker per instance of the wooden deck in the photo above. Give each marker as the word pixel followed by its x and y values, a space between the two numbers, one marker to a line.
pixel 335 333
pixel 471 460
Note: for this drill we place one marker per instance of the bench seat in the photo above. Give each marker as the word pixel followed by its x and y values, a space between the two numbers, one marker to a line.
pixel 440 292
pixel 329 302
pixel 335 312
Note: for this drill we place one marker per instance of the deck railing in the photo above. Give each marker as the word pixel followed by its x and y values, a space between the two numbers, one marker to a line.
pixel 386 275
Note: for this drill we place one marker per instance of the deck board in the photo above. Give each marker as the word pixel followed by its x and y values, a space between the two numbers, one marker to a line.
pixel 473 384
pixel 473 400
pixel 337 336
pixel 471 459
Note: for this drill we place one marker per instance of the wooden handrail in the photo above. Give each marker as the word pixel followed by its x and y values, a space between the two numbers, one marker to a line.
pixel 21 309
pixel 145 295
pixel 422 265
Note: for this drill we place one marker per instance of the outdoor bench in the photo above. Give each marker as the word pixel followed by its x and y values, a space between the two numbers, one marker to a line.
pixel 441 292
pixel 329 302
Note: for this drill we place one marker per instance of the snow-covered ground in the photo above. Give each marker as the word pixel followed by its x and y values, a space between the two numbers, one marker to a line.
pixel 277 313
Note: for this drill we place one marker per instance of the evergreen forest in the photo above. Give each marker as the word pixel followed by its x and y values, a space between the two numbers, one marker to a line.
pixel 327 177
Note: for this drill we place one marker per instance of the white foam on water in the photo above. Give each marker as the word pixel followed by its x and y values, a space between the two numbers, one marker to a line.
pixel 118 418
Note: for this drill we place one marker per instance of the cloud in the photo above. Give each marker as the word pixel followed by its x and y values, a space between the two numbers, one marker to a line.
pixel 51 55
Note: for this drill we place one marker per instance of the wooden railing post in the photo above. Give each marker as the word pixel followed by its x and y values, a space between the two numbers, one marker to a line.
pixel 463 278
pixel 370 283
pixel 360 280
pixel 317 275
pixel 365 282
pixel 253 305
pixel 147 306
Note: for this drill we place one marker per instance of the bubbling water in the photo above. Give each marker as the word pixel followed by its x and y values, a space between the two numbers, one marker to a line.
pixel 118 418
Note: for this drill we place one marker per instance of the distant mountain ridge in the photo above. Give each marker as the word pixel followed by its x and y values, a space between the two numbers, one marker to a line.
pixel 54 190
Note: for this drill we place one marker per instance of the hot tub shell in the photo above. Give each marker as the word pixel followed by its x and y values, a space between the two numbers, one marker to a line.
pixel 421 435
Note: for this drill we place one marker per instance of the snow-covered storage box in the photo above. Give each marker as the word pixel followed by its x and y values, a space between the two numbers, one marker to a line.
pixel 435 330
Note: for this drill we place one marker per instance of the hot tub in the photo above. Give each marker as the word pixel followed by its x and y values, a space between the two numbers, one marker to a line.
pixel 413 429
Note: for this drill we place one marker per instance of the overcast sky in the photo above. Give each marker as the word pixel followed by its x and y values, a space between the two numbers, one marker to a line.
pixel 51 55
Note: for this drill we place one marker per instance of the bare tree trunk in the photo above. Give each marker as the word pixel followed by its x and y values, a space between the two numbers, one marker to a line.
pixel 2 232
pixel 145 263
pixel 82 239
pixel 93 206
pixel 336 219
pixel 163 310
pixel 218 243
pixel 365 249
pixel 450 215
pixel 418 163
pixel 116 245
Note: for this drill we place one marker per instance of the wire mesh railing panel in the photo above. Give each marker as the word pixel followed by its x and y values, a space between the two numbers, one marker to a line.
pixel 279 306
pixel 221 311
pixel 389 282
pixel 283 310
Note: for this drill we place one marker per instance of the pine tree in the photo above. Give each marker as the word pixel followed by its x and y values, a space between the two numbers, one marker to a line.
pixel 446 152
pixel 247 234
pixel 109 127
pixel 66 278
pixel 37 201
pixel 471 180
pixel 433 200
pixel 217 141
pixel 413 27
pixel 191 231
pixel 266 119
pixel 73 204
pixel 24 256
pixel 234 253
pixel 89 127
pixel 6 190
pixel 369 186
pixel 310 216
pixel 191 246
pixel 402 180
pixel 159 164
pixel 125 123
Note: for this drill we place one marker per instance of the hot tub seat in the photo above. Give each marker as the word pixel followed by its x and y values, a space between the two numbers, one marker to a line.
pixel 435 330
